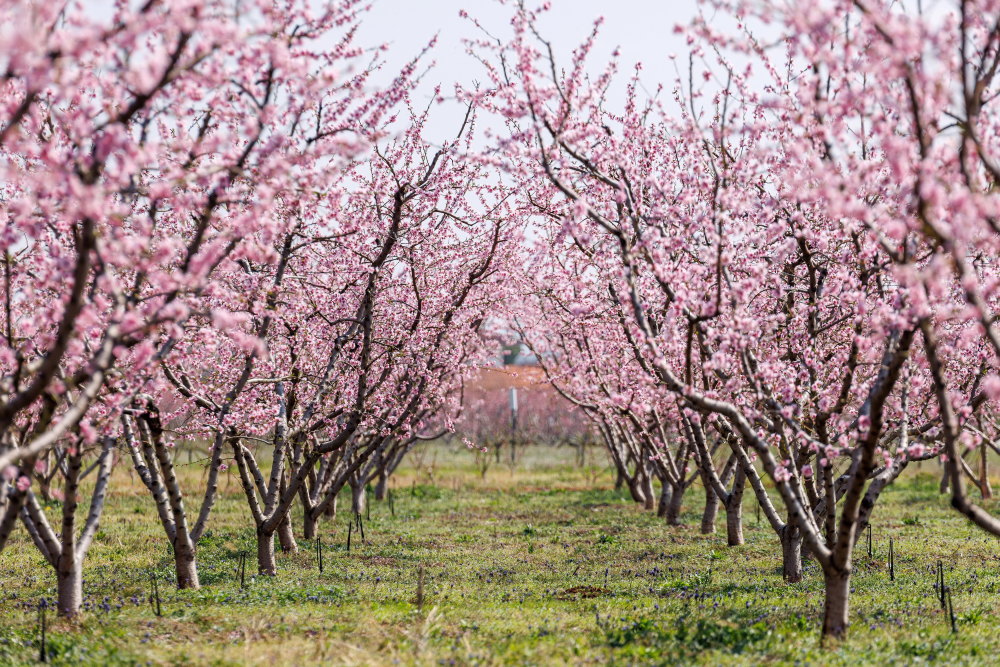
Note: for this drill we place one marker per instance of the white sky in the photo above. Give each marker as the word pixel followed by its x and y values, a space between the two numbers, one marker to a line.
pixel 643 29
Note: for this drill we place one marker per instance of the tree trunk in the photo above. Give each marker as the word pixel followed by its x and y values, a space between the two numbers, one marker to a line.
pixel 648 495
pixel 734 510
pixel 186 567
pixel 635 488
pixel 69 584
pixel 711 511
pixel 358 498
pixel 791 553
pixel 266 564
pixel 309 525
pixel 619 479
pixel 661 508
pixel 331 509
pixel 835 606
pixel 984 475
pixel 381 486
pixel 734 524
pixel 9 514
pixel 674 506
pixel 286 537
pixel 44 487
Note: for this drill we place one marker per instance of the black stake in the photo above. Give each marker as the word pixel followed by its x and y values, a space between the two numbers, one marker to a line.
pixel 392 505
pixel 940 586
pixel 368 505
pixel 361 529
pixel 350 527
pixel 892 561
pixel 243 569
pixel 43 655
pixel 870 552
pixel 319 553
pixel 154 595
pixel 951 614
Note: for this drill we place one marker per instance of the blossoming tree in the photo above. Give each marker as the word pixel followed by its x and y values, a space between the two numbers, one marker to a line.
pixel 782 325
pixel 128 181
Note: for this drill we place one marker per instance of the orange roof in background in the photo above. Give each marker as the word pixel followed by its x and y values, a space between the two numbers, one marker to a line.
pixel 521 377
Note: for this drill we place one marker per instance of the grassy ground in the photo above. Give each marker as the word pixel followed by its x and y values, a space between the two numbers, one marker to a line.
pixel 542 564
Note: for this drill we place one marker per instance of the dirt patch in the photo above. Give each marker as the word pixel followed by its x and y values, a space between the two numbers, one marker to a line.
pixel 582 592
pixel 380 560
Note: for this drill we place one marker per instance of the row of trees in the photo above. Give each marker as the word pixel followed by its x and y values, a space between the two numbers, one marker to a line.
pixel 794 261
pixel 213 221
pixel 508 408
pixel 782 281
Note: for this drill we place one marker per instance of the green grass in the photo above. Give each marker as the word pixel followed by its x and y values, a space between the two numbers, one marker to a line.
pixel 543 564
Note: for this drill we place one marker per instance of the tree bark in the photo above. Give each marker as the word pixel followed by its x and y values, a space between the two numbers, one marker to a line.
pixel 791 553
pixel 648 495
pixel 661 508
pixel 734 510
pixel 635 488
pixel 309 525
pixel 711 511
pixel 9 514
pixel 835 606
pixel 69 584
pixel 266 564
pixel 381 486
pixel 673 515
pixel 359 498
pixel 186 566
pixel 286 537
pixel 984 474
pixel 734 525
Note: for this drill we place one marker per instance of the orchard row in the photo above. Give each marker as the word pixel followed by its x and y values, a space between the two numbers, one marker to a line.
pixel 777 273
